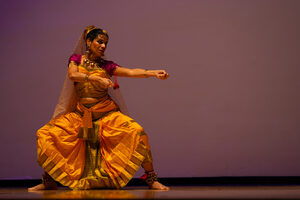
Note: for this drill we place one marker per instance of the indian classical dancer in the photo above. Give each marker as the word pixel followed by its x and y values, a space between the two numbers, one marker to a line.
pixel 90 142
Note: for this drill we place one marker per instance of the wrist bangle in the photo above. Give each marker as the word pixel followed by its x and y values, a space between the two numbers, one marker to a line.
pixel 86 78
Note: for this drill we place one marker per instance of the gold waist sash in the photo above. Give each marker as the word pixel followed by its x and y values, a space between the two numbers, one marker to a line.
pixel 104 106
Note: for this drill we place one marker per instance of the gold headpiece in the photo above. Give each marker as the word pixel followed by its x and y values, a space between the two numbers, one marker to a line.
pixel 88 29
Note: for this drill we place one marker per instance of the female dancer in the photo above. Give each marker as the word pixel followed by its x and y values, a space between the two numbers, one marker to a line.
pixel 90 143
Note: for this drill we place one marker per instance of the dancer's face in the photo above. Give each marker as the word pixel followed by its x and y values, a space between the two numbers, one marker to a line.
pixel 98 45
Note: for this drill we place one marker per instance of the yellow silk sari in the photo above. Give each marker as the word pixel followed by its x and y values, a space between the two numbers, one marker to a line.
pixel 95 146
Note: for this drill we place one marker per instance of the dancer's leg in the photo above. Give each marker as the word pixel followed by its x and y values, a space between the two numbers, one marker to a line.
pixel 148 167
pixel 47 184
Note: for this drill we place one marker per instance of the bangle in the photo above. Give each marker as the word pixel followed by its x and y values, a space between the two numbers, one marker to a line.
pixel 86 78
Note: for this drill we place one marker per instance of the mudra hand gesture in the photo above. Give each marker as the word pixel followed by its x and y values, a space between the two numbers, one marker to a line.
pixel 103 82
pixel 161 74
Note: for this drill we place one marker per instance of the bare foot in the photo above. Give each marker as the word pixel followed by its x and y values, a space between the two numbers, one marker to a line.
pixel 52 186
pixel 158 186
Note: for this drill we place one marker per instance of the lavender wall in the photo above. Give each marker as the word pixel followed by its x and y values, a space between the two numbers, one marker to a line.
pixel 230 108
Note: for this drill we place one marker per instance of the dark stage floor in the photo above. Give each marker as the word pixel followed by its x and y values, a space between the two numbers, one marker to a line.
pixel 176 192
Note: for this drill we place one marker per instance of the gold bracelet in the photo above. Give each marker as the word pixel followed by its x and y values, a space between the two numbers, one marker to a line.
pixel 86 78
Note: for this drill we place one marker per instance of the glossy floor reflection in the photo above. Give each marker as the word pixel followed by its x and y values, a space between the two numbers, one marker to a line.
pixel 184 192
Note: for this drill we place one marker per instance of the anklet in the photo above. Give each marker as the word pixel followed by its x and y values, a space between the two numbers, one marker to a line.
pixel 150 177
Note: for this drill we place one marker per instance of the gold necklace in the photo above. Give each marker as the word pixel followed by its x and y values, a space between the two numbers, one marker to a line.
pixel 87 62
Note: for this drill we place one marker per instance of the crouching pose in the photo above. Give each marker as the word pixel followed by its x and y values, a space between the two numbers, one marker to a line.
pixel 90 142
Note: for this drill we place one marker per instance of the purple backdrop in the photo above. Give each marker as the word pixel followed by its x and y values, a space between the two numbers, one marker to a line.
pixel 230 108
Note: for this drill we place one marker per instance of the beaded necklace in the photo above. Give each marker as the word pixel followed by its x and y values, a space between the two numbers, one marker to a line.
pixel 93 64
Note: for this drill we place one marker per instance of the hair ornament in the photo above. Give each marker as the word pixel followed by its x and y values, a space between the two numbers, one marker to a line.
pixel 88 29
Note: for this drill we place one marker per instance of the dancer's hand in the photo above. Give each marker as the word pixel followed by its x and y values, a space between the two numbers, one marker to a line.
pixel 161 74
pixel 103 82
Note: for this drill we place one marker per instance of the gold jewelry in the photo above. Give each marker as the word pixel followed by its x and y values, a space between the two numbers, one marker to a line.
pixel 88 49
pixel 86 78
pixel 93 64
pixel 89 29
pixel 150 177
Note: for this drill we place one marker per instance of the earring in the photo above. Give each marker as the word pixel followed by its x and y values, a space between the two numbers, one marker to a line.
pixel 88 50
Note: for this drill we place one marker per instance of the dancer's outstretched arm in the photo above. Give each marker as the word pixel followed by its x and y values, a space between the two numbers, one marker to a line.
pixel 141 73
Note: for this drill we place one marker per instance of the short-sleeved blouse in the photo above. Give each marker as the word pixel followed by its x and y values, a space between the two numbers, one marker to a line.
pixel 108 66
